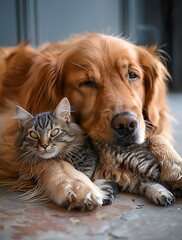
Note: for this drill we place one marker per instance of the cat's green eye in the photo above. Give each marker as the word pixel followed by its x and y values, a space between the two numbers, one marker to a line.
pixel 55 132
pixel 33 135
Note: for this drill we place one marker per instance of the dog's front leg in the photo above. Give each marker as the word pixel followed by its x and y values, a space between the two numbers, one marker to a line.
pixel 63 184
pixel 171 161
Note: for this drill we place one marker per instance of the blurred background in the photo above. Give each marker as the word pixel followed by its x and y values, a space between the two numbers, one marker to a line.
pixel 144 22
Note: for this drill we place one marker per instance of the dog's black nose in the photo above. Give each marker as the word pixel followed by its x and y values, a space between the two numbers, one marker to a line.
pixel 124 123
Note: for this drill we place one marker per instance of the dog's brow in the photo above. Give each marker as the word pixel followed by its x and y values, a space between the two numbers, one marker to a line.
pixel 78 65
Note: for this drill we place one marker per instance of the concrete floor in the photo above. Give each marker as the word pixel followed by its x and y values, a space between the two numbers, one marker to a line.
pixel 131 217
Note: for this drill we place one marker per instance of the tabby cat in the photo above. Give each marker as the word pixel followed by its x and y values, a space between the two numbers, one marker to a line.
pixel 52 136
pixel 45 136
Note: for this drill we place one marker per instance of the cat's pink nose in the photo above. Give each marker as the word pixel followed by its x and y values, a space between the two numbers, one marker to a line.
pixel 45 146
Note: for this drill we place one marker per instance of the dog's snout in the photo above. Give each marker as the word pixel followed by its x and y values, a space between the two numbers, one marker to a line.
pixel 124 123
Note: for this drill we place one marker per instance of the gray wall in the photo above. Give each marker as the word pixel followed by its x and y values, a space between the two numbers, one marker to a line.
pixel 8 22
pixel 59 19
pixel 52 20
pixel 176 57
pixel 142 21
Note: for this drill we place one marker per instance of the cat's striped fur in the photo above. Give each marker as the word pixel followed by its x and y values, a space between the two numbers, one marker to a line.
pixel 135 169
pixel 48 136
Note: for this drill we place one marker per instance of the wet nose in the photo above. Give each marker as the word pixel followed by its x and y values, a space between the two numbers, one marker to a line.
pixel 124 123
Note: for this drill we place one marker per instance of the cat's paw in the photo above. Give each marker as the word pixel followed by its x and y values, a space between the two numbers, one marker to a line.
pixel 110 189
pixel 163 197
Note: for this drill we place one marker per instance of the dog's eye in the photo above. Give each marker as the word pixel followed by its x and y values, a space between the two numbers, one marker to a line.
pixel 88 83
pixel 132 76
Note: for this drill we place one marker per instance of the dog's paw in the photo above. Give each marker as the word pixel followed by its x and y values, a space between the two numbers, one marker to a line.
pixel 172 172
pixel 78 194
pixel 84 197
pixel 109 188
pixel 69 187
pixel 170 161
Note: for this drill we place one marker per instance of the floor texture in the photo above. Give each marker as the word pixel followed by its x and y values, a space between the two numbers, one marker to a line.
pixel 131 217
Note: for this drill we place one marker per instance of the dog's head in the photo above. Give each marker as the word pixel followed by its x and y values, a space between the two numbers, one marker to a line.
pixel 117 88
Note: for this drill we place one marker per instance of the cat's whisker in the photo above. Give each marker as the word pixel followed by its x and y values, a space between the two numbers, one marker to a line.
pixel 19 159
pixel 76 154
pixel 27 171
pixel 69 157
pixel 23 163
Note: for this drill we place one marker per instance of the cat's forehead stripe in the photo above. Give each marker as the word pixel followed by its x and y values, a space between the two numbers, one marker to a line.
pixel 43 120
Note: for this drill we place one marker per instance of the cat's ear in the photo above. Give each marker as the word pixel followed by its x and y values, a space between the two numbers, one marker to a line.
pixel 63 110
pixel 22 115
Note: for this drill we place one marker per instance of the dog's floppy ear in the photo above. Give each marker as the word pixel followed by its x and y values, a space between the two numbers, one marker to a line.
pixel 155 81
pixel 43 89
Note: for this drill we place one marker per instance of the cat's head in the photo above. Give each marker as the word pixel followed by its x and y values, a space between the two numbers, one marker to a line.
pixel 48 134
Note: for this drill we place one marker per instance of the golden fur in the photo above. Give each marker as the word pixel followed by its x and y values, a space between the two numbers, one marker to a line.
pixel 91 71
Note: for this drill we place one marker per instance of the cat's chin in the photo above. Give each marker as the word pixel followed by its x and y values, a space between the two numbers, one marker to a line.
pixel 47 155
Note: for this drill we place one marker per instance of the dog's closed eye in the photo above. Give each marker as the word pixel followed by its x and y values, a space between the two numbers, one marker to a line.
pixel 89 83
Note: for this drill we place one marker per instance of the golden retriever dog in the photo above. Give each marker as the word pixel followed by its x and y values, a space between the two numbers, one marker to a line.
pixel 118 90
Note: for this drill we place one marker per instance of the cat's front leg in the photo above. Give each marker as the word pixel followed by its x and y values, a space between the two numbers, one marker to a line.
pixel 171 162
pixel 67 186
pixel 110 187
pixel 155 192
